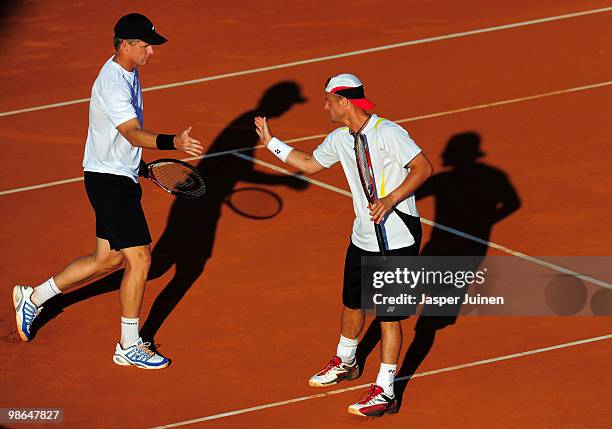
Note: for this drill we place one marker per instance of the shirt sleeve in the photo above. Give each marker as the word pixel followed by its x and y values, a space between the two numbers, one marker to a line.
pixel 326 153
pixel 398 144
pixel 118 104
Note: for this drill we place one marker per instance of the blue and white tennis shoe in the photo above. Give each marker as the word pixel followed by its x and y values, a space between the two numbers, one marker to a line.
pixel 140 355
pixel 25 310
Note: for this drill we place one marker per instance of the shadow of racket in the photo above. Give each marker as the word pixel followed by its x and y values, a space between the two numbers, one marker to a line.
pixel 254 203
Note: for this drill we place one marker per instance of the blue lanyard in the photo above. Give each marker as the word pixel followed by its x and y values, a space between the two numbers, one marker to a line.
pixel 134 91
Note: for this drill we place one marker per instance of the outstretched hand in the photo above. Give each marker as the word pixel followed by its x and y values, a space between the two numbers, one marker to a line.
pixel 188 144
pixel 263 130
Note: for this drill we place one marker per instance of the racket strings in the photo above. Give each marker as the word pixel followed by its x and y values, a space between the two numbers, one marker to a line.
pixel 365 173
pixel 178 178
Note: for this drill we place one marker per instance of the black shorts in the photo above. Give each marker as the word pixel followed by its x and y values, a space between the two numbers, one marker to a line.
pixel 119 215
pixel 351 290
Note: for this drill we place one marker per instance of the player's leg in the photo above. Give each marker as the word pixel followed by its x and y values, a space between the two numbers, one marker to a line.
pixel 137 263
pixel 121 220
pixel 380 397
pixel 28 301
pixel 390 345
pixel 101 262
pixel 343 365
pixel 131 350
pixel 351 322
pixel 353 317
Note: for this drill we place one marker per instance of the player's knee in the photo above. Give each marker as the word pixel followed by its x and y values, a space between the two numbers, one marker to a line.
pixel 140 260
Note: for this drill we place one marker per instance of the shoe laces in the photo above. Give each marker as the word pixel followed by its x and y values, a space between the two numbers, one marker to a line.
pixel 144 349
pixel 370 394
pixel 333 362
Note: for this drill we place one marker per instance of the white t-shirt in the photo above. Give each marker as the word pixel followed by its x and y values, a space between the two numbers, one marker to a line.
pixel 116 97
pixel 391 148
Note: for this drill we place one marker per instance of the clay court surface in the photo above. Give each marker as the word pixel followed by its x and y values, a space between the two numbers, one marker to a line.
pixel 261 299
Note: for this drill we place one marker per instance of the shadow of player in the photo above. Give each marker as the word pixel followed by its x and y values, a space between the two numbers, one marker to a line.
pixel 187 242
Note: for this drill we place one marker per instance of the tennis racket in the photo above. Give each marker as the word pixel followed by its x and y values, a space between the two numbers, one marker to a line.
pixel 175 177
pixel 366 175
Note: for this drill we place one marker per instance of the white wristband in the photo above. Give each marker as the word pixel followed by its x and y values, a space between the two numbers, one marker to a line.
pixel 279 149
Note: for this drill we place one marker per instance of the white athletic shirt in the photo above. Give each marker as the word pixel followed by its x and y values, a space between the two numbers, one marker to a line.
pixel 116 97
pixel 391 148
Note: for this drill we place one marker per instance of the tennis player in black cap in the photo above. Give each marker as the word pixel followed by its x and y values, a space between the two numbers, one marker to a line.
pixel 115 139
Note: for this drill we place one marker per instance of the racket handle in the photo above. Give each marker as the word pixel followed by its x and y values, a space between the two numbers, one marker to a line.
pixel 381 239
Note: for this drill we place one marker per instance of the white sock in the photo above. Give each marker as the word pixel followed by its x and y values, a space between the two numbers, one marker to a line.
pixel 347 349
pixel 129 331
pixel 45 291
pixel 385 378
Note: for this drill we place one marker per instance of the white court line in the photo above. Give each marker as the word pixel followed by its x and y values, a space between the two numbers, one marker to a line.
pixel 332 57
pixel 42 185
pixel 509 101
pixel 362 386
pixel 317 136
pixel 437 225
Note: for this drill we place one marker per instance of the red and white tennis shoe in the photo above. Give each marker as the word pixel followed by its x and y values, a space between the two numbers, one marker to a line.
pixel 374 403
pixel 334 372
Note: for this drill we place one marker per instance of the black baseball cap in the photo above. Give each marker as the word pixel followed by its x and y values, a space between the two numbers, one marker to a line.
pixel 138 26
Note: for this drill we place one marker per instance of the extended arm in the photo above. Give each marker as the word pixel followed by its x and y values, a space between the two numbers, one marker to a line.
pixel 303 161
pixel 141 138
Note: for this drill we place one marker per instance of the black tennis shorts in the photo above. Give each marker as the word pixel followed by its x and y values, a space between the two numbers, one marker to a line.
pixel 119 215
pixel 351 290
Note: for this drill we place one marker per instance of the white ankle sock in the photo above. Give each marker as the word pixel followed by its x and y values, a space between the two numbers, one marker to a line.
pixel 347 349
pixel 129 331
pixel 45 291
pixel 385 378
